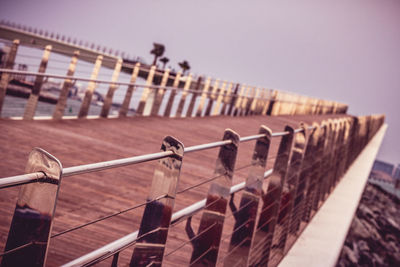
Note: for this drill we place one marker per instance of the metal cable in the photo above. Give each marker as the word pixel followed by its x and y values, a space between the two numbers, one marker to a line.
pixel 108 216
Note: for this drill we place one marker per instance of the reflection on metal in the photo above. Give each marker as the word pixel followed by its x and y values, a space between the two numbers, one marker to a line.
pixel 239 100
pixel 30 108
pixel 232 101
pixel 182 101
pixel 260 249
pixel 5 77
pixel 149 249
pixel 160 92
pixel 129 92
pixel 308 179
pixel 206 243
pixel 288 195
pixel 34 212
pixel 147 98
pixel 195 94
pixel 110 93
pixel 62 99
pixel 227 99
pixel 212 97
pixel 170 102
pixel 203 97
pixel 219 99
pixel 84 110
pixel 245 216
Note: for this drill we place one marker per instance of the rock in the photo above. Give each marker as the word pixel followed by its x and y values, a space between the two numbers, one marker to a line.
pixel 374 235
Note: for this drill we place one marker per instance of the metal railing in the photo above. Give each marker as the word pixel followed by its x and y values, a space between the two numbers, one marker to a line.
pixel 309 163
pixel 197 96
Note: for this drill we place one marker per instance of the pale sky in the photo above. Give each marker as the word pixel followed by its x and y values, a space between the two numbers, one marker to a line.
pixel 342 50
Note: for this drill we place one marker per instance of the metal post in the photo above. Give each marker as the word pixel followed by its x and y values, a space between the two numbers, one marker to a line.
pixel 31 105
pixel 33 216
pixel 110 93
pixel 306 185
pixel 289 189
pixel 206 243
pixel 160 92
pixel 147 98
pixel 153 231
pixel 129 92
pixel 271 103
pixel 226 99
pixel 253 105
pixel 182 101
pixel 212 97
pixel 233 100
pixel 84 110
pixel 195 94
pixel 260 249
pixel 245 216
pixel 203 97
pixel 246 101
pixel 5 77
pixel 219 99
pixel 62 99
pixel 239 100
pixel 171 99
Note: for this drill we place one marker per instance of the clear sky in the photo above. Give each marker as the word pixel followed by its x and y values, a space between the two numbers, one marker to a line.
pixel 343 50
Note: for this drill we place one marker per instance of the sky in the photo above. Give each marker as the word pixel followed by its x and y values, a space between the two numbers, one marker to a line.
pixel 342 50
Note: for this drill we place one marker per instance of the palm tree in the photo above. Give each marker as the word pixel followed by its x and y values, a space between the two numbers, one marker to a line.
pixel 164 60
pixel 158 50
pixel 185 66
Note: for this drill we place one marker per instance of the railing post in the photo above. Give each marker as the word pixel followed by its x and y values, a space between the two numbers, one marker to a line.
pixel 247 100
pixel 31 105
pixel 206 244
pixel 238 102
pixel 153 231
pixel 211 98
pixel 307 178
pixel 226 99
pixel 272 103
pixel 62 99
pixel 233 98
pixel 110 93
pixel 245 216
pixel 219 99
pixel 253 105
pixel 33 216
pixel 195 94
pixel 84 110
pixel 261 246
pixel 160 92
pixel 128 96
pixel 182 101
pixel 147 98
pixel 6 76
pixel 288 195
pixel 172 95
pixel 203 98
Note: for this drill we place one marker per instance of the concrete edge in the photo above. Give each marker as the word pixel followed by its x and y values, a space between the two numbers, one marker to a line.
pixel 321 242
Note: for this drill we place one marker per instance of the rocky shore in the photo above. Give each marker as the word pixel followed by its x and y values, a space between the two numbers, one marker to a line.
pixel 374 236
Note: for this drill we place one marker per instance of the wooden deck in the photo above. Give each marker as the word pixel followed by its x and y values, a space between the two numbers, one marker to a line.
pixel 86 197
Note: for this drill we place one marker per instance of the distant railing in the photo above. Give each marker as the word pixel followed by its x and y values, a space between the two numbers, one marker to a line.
pixel 189 95
pixel 309 163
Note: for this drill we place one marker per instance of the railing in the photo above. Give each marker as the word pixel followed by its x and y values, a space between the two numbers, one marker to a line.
pixel 275 204
pixel 189 95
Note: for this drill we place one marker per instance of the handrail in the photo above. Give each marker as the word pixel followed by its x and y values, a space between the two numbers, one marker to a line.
pixel 75 78
pixel 130 239
pixel 99 166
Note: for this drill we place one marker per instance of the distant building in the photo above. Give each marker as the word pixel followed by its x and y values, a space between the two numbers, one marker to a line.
pixel 383 167
pixel 396 174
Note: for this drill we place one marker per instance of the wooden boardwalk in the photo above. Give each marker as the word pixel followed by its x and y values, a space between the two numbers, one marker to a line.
pixel 86 197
